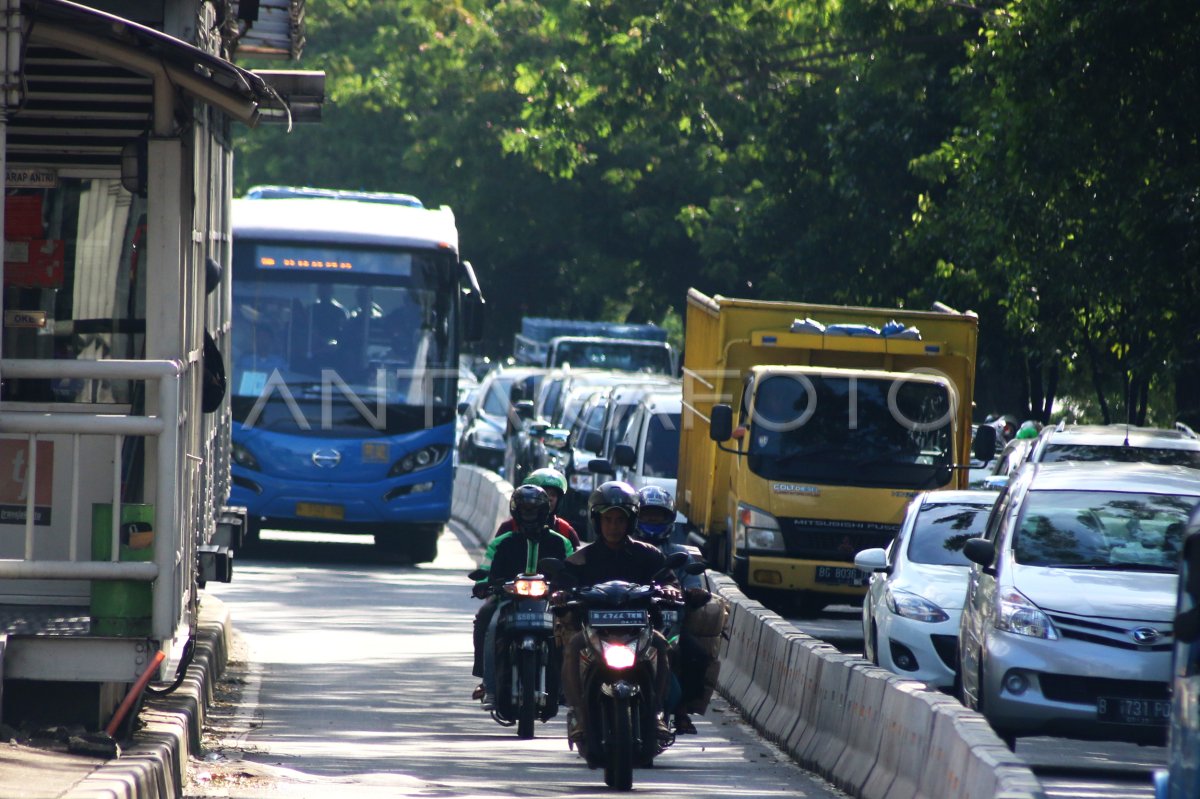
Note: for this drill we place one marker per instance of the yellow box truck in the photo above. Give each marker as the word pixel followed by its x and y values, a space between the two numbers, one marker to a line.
pixel 807 428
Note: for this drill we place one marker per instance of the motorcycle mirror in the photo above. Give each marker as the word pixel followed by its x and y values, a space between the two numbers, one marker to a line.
pixel 551 567
pixel 675 560
pixel 477 575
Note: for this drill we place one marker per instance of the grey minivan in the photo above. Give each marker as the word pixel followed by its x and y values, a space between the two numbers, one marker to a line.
pixel 1067 622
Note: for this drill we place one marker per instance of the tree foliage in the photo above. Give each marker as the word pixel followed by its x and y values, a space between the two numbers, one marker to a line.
pixel 1033 160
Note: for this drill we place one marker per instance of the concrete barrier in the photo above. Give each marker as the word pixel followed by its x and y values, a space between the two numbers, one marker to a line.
pixel 480 501
pixel 872 733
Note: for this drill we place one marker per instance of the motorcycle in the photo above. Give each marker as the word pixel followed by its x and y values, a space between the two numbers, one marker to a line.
pixel 527 657
pixel 618 620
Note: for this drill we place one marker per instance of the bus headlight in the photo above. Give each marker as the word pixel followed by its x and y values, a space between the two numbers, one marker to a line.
pixel 757 529
pixel 423 458
pixel 243 457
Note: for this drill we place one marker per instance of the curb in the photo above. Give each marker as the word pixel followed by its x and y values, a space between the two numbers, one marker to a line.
pixel 155 765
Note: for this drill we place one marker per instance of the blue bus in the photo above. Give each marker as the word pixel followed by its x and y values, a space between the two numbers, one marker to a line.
pixel 348 313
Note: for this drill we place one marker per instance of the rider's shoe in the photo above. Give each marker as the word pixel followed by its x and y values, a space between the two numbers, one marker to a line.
pixel 684 725
pixel 479 691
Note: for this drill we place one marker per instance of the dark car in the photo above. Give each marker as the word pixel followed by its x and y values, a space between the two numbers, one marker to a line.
pixel 486 419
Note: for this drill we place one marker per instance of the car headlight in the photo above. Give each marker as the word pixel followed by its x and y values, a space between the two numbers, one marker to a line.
pixel 423 458
pixel 243 457
pixel 1016 614
pixel 912 606
pixel 489 438
pixel 757 529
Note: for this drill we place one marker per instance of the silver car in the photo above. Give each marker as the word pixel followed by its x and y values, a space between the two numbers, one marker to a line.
pixel 1066 626
pixel 914 600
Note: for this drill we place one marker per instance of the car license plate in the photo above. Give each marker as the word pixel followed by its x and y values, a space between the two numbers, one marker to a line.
pixel 316 510
pixel 841 575
pixel 1154 712
pixel 617 618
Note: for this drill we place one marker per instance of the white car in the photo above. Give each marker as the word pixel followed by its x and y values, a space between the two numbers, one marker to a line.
pixel 915 596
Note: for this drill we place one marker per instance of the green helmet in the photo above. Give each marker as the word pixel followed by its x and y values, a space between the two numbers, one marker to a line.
pixel 547 479
pixel 1028 430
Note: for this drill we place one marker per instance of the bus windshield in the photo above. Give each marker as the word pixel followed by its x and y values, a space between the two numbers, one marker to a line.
pixel 345 338
pixel 842 431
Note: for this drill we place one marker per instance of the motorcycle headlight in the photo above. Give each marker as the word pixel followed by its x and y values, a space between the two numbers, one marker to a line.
pixel 618 656
pixel 1016 614
pixel 530 587
pixel 243 457
pixel 757 529
pixel 911 606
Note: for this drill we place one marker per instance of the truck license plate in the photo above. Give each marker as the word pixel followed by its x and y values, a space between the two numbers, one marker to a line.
pixel 1153 712
pixel 841 575
pixel 316 510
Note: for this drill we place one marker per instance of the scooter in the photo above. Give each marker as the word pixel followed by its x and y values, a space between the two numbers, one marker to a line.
pixel 618 620
pixel 527 657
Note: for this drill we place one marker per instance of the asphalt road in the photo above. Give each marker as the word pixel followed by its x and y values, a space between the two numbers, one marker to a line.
pixel 351 678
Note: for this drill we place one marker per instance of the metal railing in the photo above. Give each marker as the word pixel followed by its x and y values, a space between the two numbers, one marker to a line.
pixel 165 427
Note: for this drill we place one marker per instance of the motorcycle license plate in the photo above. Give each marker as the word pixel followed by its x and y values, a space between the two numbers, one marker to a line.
pixel 1152 712
pixel 841 575
pixel 617 618
pixel 670 618
pixel 532 618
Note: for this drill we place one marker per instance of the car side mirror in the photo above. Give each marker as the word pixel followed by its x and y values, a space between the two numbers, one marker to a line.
pixel 624 455
pixel 556 438
pixel 981 551
pixel 463 407
pixel 524 409
pixel 983 449
pixel 593 441
pixel 601 466
pixel 720 425
pixel 872 560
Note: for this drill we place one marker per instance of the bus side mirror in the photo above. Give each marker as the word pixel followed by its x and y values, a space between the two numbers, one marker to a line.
pixel 472 306
pixel 720 425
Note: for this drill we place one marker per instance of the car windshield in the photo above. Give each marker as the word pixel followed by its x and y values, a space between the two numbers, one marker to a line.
pixel 623 356
pixel 495 403
pixel 941 530
pixel 1101 452
pixel 1102 530
pixel 662 446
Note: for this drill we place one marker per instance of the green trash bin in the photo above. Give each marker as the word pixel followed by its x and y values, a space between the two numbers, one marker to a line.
pixel 122 607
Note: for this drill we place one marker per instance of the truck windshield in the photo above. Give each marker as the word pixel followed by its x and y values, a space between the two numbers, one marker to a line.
pixel 852 431
pixel 348 350
pixel 622 356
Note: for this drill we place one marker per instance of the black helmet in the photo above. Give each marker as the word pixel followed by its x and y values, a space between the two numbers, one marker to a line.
pixel 613 494
pixel 656 502
pixel 530 509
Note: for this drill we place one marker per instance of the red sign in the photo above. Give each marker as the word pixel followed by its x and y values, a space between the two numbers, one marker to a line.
pixel 37 263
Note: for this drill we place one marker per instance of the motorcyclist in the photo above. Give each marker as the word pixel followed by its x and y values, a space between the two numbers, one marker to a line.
pixel 612 555
pixel 655 521
pixel 515 552
pixel 555 485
